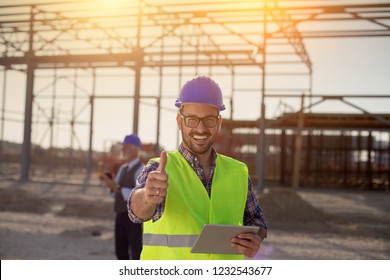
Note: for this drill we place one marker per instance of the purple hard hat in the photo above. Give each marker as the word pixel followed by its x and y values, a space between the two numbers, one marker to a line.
pixel 132 139
pixel 202 90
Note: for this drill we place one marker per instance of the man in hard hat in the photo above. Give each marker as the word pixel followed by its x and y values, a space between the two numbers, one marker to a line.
pixel 183 190
pixel 128 235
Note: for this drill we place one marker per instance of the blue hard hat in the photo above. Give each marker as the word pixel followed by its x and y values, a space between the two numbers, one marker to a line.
pixel 202 90
pixel 132 139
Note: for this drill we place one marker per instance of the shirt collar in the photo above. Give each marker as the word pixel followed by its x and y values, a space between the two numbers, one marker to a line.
pixel 132 163
pixel 192 159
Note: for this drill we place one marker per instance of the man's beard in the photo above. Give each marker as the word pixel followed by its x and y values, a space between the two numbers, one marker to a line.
pixel 190 144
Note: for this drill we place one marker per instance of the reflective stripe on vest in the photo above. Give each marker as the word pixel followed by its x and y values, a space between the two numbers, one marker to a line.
pixel 183 240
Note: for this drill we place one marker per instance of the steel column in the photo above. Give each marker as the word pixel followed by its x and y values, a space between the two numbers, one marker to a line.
pixel 3 120
pixel 92 103
pixel 28 111
pixel 138 69
pixel 262 145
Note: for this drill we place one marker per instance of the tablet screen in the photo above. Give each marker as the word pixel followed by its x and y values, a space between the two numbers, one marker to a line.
pixel 215 239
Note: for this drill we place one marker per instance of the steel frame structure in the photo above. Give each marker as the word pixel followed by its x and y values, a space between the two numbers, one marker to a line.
pixel 220 36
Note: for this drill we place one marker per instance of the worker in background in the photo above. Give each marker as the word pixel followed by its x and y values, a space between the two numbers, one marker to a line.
pixel 128 235
pixel 183 190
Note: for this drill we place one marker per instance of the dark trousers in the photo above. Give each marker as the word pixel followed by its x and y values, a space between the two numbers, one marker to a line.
pixel 128 238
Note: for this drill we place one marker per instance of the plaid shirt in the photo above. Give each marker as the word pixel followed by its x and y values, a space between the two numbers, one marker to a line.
pixel 253 214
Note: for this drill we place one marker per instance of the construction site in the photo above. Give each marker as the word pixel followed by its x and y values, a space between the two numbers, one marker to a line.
pixel 76 76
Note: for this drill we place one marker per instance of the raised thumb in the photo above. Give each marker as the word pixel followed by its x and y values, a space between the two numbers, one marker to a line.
pixel 163 161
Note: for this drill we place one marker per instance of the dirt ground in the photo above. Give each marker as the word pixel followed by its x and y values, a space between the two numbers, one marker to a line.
pixel 68 221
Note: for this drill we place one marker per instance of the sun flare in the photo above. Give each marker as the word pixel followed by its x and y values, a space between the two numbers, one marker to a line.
pixel 112 3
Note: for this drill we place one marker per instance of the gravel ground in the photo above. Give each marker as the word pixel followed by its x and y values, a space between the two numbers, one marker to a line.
pixel 60 221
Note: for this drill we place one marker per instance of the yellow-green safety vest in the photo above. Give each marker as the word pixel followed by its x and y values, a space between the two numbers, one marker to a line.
pixel 188 207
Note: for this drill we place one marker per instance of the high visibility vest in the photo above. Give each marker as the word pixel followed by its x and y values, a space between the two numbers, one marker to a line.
pixel 188 207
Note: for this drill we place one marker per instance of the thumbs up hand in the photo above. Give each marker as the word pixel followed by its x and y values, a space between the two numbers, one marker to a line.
pixel 156 185
pixel 163 162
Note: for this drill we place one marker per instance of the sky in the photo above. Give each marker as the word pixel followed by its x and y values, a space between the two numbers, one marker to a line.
pixel 341 66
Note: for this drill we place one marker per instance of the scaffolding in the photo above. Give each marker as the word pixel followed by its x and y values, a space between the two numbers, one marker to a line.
pixel 150 41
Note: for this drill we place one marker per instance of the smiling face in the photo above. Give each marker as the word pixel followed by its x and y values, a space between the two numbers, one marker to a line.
pixel 198 140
